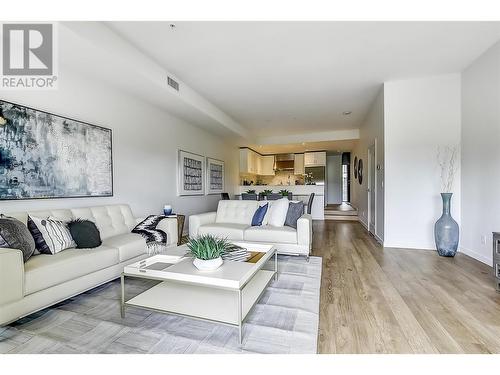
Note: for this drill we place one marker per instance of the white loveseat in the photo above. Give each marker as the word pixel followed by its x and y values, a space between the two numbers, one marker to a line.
pixel 47 279
pixel 233 221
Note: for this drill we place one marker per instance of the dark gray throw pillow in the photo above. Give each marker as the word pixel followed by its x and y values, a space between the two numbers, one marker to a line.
pixel 295 211
pixel 85 234
pixel 15 235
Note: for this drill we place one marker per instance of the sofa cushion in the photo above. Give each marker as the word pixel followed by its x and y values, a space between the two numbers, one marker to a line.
pixel 85 234
pixel 129 245
pixel 110 220
pixel 223 230
pixel 259 215
pixel 236 212
pixel 15 235
pixel 277 212
pixel 295 211
pixel 43 271
pixel 268 233
pixel 51 235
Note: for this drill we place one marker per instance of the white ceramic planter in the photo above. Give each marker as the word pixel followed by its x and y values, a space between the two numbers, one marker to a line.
pixel 208 265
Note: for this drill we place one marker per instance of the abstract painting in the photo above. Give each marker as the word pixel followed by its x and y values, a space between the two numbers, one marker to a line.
pixel 215 176
pixel 191 174
pixel 43 155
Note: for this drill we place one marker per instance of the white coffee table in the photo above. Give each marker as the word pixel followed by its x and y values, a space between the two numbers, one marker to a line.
pixel 225 295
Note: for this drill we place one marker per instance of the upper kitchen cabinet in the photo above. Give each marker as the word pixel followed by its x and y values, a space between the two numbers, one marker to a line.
pixel 315 159
pixel 298 166
pixel 254 163
pixel 267 165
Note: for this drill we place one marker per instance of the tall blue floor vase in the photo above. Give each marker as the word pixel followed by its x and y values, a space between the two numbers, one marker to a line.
pixel 446 231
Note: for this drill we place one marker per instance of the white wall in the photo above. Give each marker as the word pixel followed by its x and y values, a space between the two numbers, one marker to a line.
pixel 420 114
pixel 145 144
pixel 334 179
pixel 371 132
pixel 481 155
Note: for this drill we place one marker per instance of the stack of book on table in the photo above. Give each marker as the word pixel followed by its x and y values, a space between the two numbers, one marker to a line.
pixel 237 255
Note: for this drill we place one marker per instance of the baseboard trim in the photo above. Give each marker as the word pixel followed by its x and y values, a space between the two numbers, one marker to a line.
pixel 379 240
pixel 365 225
pixel 476 256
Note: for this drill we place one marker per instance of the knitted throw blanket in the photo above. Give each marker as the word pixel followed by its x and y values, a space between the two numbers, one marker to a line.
pixel 156 239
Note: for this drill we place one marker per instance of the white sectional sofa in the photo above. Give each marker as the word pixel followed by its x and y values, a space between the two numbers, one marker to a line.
pixel 47 279
pixel 233 221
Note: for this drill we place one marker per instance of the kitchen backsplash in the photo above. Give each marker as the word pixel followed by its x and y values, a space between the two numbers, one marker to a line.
pixel 280 178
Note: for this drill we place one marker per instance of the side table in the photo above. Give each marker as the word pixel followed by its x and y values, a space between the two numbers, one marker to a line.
pixel 180 228
pixel 496 259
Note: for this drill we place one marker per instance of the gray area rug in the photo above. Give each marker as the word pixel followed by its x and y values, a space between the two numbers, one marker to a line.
pixel 285 320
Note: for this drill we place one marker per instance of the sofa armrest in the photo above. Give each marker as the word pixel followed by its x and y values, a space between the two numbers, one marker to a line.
pixel 11 275
pixel 304 230
pixel 169 226
pixel 196 221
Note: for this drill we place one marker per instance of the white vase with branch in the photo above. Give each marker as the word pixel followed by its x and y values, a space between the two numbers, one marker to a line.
pixel 446 230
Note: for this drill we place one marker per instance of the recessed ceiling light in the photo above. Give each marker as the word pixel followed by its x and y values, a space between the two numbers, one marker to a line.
pixel 346 113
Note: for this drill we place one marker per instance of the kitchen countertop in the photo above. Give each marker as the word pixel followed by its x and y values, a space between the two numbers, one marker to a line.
pixel 295 189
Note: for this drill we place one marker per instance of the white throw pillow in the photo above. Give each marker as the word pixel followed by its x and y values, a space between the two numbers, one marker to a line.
pixel 277 213
pixel 53 234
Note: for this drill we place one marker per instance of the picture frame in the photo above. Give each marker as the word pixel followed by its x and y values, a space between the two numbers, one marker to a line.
pixel 49 156
pixel 191 174
pixel 215 176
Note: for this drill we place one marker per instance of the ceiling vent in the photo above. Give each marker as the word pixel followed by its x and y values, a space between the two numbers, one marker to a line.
pixel 173 83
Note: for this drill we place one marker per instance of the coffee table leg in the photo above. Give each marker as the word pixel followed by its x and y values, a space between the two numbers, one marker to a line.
pixel 122 279
pixel 275 266
pixel 240 322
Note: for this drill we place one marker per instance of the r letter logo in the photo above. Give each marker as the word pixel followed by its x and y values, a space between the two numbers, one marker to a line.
pixel 28 56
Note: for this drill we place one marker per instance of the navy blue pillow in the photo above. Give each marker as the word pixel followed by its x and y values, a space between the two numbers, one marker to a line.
pixel 258 216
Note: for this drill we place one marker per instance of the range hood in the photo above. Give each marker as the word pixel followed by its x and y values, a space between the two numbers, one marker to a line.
pixel 284 162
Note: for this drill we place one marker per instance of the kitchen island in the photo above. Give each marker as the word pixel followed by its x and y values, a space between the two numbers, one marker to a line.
pixel 300 192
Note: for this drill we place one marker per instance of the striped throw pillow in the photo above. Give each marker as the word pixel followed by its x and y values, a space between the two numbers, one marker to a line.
pixel 51 235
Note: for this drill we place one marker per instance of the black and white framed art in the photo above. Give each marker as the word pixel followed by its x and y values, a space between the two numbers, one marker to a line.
pixel 215 176
pixel 191 174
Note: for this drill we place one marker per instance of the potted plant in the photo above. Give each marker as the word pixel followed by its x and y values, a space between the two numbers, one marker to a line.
pixel 284 193
pixel 263 194
pixel 207 251
pixel 250 191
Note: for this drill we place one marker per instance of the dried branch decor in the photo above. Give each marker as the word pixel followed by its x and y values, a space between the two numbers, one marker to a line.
pixel 447 157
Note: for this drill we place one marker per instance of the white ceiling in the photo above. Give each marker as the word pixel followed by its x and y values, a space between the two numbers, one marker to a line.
pixel 295 77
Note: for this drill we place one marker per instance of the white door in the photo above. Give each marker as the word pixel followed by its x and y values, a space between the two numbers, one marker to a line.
pixel 372 207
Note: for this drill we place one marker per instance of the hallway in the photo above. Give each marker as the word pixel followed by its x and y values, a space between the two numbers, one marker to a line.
pixel 376 300
pixel 343 211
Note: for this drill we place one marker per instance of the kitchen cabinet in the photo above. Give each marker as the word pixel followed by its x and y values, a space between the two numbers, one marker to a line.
pixel 254 163
pixel 298 165
pixel 248 161
pixel 267 165
pixel 315 159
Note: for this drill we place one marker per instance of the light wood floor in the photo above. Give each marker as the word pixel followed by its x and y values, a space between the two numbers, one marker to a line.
pixel 376 300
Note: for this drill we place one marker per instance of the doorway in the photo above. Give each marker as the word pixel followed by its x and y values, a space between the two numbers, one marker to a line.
pixel 334 179
pixel 372 190
pixel 346 177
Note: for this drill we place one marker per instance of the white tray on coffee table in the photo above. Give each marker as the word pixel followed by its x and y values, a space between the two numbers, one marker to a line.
pixel 225 295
